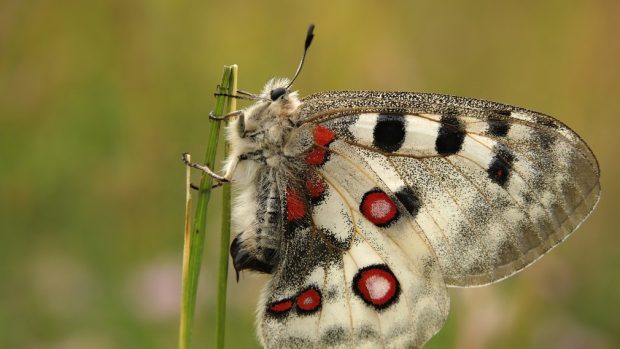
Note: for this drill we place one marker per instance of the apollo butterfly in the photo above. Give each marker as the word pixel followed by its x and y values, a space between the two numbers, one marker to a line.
pixel 365 206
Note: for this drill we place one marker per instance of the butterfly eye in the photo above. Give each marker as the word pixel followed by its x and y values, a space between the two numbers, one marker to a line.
pixel 277 93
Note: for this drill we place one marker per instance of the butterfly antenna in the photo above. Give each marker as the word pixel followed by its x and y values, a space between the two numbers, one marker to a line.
pixel 309 37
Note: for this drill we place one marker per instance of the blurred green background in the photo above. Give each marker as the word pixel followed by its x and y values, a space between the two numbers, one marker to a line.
pixel 99 98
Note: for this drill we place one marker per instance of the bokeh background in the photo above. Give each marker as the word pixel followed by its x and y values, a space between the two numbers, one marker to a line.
pixel 99 98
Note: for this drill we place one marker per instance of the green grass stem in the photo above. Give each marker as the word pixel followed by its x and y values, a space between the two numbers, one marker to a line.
pixel 195 237
pixel 222 281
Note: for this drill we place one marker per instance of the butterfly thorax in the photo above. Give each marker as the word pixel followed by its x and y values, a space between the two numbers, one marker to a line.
pixel 266 126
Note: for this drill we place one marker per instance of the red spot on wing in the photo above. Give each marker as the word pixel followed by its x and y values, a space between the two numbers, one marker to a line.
pixel 323 136
pixel 315 185
pixel 295 205
pixel 378 208
pixel 377 286
pixel 282 306
pixel 316 156
pixel 309 300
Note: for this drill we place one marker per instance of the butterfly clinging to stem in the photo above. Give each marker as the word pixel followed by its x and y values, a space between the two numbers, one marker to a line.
pixel 364 206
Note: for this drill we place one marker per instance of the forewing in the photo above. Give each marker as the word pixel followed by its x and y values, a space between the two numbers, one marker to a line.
pixel 492 187
pixel 354 269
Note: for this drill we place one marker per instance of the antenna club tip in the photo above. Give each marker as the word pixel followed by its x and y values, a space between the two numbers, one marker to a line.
pixel 309 36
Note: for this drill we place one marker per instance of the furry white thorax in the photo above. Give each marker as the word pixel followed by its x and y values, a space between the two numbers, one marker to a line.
pixel 267 126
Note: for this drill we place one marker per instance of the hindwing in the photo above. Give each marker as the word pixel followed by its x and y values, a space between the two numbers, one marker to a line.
pixel 354 267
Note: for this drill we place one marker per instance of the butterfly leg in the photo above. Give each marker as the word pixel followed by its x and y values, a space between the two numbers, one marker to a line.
pixel 248 95
pixel 195 187
pixel 240 95
pixel 212 116
pixel 240 122
pixel 205 169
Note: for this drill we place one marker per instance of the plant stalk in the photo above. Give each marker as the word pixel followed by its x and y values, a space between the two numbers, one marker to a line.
pixel 194 238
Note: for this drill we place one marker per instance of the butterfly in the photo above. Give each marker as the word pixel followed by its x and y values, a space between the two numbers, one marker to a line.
pixel 365 206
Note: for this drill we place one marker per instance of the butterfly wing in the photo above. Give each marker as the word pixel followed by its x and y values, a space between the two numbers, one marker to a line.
pixel 354 268
pixel 404 193
pixel 492 187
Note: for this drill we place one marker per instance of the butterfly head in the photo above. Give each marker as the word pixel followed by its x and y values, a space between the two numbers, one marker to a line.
pixel 277 90
pixel 279 99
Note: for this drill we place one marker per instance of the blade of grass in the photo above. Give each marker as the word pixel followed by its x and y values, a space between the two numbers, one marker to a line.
pixel 220 324
pixel 183 326
pixel 194 242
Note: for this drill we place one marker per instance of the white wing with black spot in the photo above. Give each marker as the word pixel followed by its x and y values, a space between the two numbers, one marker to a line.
pixel 492 187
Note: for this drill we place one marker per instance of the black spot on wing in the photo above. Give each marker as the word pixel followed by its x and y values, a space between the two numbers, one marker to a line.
pixel 367 332
pixel 500 167
pixel 547 135
pixel 389 132
pixel 334 336
pixel 451 135
pixel 545 140
pixel 285 341
pixel 409 199
pixel 498 127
